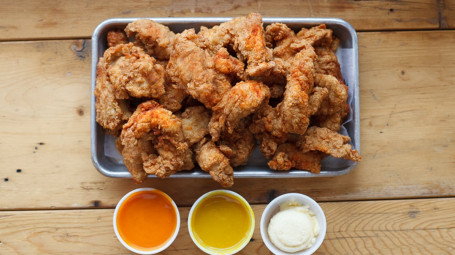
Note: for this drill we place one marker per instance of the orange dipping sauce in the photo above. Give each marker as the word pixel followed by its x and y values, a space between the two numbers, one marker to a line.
pixel 147 220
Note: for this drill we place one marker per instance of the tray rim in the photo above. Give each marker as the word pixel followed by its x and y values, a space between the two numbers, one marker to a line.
pixel 200 174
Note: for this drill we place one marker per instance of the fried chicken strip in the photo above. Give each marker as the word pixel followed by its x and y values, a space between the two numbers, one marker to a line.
pixel 111 111
pixel 246 35
pixel 213 161
pixel 289 156
pixel 132 72
pixel 334 108
pixel 282 37
pixel 193 68
pixel 240 101
pixel 327 63
pixel 292 114
pixel 238 146
pixel 195 122
pixel 152 122
pixel 156 38
pixel 329 142
pixel 317 36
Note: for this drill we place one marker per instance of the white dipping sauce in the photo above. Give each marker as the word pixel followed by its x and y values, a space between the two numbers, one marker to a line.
pixel 294 228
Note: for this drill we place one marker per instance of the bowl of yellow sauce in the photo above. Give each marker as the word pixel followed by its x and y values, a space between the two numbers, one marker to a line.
pixel 221 222
pixel 146 221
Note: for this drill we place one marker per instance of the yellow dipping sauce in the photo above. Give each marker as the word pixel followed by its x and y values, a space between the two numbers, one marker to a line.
pixel 222 222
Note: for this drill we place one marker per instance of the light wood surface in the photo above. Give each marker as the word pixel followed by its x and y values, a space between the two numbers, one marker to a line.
pixel 425 226
pixel 407 99
pixel 75 19
pixel 399 200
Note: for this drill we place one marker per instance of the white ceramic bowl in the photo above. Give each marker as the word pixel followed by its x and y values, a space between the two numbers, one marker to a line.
pixel 231 250
pixel 164 246
pixel 274 207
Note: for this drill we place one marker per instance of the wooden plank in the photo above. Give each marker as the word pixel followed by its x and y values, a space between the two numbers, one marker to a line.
pixel 447 14
pixel 373 227
pixel 75 19
pixel 407 101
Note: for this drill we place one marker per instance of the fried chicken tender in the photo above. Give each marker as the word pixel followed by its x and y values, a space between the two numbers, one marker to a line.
pixel 239 102
pixel 111 112
pixel 154 37
pixel 250 42
pixel 246 35
pixel 327 63
pixel 292 114
pixel 227 64
pixel 238 146
pixel 173 97
pixel 329 142
pixel 132 72
pixel 195 121
pixel 213 161
pixel 289 156
pixel 334 108
pixel 282 37
pixel 163 130
pixel 193 68
pixel 133 151
pixel 116 37
pixel 317 36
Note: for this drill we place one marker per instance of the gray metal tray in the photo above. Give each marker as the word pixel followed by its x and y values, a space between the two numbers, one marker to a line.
pixel 109 162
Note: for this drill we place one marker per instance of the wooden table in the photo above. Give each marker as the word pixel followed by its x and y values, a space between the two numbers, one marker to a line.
pixel 399 200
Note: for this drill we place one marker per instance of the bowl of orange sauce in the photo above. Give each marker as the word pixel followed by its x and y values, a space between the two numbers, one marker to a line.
pixel 221 222
pixel 146 221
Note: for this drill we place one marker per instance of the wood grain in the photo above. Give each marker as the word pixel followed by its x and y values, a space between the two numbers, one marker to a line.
pixel 447 14
pixel 76 19
pixel 407 101
pixel 372 227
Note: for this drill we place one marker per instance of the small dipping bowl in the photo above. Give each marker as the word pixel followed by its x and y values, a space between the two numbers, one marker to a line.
pixel 274 207
pixel 146 221
pixel 221 222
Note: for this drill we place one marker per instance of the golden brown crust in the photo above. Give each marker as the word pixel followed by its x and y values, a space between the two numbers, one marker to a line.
pixel 116 37
pixel 163 130
pixel 329 142
pixel 213 161
pixel 156 38
pixel 239 102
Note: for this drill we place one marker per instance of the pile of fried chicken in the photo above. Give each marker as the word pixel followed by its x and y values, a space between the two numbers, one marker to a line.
pixel 174 100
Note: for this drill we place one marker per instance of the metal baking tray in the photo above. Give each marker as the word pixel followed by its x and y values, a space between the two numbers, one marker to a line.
pixel 109 162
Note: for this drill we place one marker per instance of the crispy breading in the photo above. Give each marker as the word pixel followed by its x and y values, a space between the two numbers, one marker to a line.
pixel 229 65
pixel 195 122
pixel 282 37
pixel 193 68
pixel 111 111
pixel 317 36
pixel 213 161
pixel 238 146
pixel 132 72
pixel 293 113
pixel 334 108
pixel 288 156
pixel 156 38
pixel 164 131
pixel 329 142
pixel 327 63
pixel 246 36
pixel 240 101
pixel 115 37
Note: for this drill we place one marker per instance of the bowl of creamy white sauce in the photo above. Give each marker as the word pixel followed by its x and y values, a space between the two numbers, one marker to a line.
pixel 293 223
